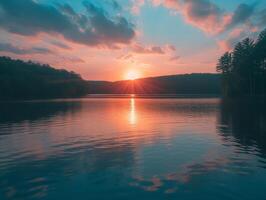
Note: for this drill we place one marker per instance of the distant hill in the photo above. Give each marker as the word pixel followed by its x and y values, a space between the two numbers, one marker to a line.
pixel 28 80
pixel 174 84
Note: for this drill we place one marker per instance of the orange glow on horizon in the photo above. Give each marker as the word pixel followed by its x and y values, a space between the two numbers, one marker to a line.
pixel 132 75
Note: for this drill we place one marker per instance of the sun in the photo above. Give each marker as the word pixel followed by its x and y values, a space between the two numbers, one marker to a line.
pixel 132 75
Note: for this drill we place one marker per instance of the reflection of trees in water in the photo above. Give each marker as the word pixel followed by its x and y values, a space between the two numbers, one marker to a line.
pixel 246 122
pixel 20 111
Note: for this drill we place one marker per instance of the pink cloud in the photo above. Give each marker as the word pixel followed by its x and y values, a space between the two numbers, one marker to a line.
pixel 171 47
pixel 137 4
pixel 206 15
pixel 236 36
pixel 211 22
pixel 174 58
pixel 139 49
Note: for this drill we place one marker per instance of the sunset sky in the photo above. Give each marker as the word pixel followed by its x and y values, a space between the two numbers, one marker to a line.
pixel 115 39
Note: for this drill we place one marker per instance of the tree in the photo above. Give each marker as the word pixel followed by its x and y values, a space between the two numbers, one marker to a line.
pixel 225 66
pixel 260 52
pixel 29 80
pixel 244 69
pixel 225 63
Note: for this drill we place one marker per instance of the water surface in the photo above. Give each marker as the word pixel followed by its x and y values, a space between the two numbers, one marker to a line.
pixel 132 148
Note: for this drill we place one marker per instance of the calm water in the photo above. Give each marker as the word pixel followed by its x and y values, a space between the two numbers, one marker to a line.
pixel 130 148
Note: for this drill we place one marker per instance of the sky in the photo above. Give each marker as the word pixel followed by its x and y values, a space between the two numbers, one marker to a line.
pixel 120 39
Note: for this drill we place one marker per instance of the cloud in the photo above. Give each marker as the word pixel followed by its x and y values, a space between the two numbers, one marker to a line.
pixel 207 16
pixel 171 47
pixel 60 44
pixel 203 14
pixel 136 6
pixel 174 58
pixel 7 47
pixel 236 36
pixel 107 30
pixel 262 18
pixel 137 48
pixel 114 4
pixel 127 57
pixel 241 15
pixel 72 60
pixel 95 27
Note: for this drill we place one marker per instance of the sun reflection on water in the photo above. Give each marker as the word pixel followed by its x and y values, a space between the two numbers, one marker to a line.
pixel 132 114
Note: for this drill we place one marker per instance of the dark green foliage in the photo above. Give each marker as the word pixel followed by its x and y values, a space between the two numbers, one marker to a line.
pixel 244 69
pixel 28 80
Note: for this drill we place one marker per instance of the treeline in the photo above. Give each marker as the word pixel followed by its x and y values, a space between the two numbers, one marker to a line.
pixel 29 80
pixel 244 69
pixel 208 84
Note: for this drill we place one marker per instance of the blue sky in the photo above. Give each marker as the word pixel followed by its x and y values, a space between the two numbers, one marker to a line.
pixel 107 39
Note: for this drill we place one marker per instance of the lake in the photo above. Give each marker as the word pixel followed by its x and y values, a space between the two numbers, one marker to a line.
pixel 132 148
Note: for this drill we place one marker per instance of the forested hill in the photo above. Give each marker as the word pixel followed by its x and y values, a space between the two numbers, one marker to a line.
pixel 28 80
pixel 175 84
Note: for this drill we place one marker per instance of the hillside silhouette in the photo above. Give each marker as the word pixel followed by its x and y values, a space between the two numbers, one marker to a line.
pixel 29 80
pixel 174 84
